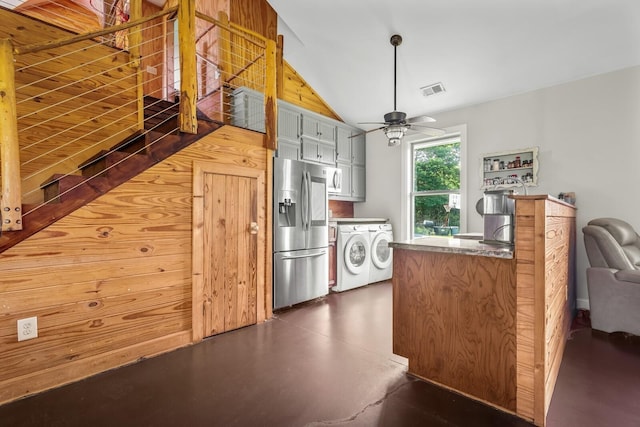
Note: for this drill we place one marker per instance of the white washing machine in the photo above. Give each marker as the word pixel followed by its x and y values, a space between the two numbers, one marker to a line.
pixel 381 254
pixel 354 260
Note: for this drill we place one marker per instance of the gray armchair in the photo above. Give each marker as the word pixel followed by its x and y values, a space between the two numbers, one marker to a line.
pixel 613 249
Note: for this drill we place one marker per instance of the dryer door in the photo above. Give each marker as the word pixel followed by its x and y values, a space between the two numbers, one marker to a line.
pixel 356 257
pixel 380 250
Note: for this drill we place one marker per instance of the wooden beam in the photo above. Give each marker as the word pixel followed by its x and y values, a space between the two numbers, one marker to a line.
pixel 188 68
pixel 280 67
pixel 11 202
pixel 135 43
pixel 271 96
pixel 224 63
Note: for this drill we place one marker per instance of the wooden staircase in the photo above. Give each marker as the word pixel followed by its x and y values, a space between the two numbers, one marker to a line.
pixel 65 193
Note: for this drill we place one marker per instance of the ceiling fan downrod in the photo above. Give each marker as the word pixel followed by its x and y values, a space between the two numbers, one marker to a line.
pixel 396 40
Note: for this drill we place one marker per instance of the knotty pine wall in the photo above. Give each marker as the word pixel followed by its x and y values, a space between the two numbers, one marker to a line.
pixel 110 283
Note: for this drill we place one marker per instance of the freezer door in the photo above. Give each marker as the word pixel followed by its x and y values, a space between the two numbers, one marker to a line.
pixel 300 276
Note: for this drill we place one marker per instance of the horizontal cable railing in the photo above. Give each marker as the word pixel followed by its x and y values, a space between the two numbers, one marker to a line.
pixel 238 60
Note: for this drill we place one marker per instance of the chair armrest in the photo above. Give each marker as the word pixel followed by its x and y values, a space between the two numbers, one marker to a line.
pixel 628 276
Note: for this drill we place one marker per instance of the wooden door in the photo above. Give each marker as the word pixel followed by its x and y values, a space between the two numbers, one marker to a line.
pixel 228 248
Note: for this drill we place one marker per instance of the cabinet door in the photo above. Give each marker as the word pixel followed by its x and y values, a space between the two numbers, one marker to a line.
pixel 326 132
pixel 345 191
pixel 309 127
pixel 288 125
pixel 343 144
pixel 327 154
pixel 309 150
pixel 288 150
pixel 358 178
pixel 358 149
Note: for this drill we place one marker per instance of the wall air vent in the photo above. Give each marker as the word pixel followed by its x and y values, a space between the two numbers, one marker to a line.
pixel 433 89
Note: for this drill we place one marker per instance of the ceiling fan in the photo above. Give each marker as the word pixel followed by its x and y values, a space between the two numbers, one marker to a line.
pixel 396 123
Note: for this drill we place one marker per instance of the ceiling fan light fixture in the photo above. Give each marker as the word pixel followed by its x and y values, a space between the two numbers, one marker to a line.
pixel 395 133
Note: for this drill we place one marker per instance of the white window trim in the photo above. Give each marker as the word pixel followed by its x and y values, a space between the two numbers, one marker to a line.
pixel 407 175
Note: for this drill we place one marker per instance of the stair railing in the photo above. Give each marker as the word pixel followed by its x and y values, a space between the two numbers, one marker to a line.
pixel 40 126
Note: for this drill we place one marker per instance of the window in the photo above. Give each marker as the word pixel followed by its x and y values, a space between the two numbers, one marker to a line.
pixel 435 192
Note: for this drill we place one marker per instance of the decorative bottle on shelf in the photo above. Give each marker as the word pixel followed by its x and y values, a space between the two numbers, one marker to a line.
pixel 518 164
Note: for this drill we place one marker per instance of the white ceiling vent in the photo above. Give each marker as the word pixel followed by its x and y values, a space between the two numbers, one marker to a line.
pixel 433 89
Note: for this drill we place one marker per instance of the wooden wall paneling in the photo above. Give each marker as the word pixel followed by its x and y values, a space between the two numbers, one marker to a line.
pixel 473 347
pixel 255 15
pixel 540 348
pixel 63 13
pixel 152 52
pixel 111 283
pixel 264 300
pixel 544 244
pixel 298 92
pixel 525 273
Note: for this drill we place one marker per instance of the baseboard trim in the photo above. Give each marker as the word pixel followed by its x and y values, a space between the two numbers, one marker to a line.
pixel 36 382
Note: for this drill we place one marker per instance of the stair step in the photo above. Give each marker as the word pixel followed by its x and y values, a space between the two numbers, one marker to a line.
pixel 101 163
pixel 60 187
pixel 160 115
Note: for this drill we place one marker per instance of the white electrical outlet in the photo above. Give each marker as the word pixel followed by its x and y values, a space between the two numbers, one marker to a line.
pixel 27 328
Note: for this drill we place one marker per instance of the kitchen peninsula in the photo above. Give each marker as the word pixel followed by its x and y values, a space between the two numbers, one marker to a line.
pixel 490 321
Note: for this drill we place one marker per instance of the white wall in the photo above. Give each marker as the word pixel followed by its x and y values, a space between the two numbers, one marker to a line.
pixel 588 134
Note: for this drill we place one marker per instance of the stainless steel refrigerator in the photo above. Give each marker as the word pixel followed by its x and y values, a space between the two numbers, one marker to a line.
pixel 300 232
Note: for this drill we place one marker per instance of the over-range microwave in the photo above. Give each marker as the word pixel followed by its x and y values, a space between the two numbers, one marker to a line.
pixel 334 180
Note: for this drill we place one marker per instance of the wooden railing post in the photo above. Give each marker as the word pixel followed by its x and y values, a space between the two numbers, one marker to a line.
pixel 271 96
pixel 224 63
pixel 11 197
pixel 135 42
pixel 188 70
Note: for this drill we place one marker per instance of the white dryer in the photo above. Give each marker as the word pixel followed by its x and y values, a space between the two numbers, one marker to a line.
pixel 354 259
pixel 381 254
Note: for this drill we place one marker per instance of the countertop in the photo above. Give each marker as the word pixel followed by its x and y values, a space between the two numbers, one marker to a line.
pixel 455 246
pixel 357 220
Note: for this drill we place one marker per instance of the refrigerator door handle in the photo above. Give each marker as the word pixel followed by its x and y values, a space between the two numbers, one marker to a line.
pixel 317 254
pixel 309 195
pixel 305 201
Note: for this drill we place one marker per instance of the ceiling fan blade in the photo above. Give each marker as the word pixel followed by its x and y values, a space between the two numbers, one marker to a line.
pixel 373 123
pixel 367 131
pixel 427 130
pixel 421 119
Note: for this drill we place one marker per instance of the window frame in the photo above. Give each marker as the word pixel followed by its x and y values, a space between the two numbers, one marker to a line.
pixel 459 132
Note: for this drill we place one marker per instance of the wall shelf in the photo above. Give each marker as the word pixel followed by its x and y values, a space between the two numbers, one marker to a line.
pixel 509 168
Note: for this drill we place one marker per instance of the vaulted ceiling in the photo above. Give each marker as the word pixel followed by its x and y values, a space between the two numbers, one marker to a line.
pixel 479 50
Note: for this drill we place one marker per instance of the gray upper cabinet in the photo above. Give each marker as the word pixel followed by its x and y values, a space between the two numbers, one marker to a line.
pixel 318 152
pixel 350 143
pixel 310 137
pixel 343 144
pixel 358 149
pixel 288 124
pixel 318 128
pixel 289 146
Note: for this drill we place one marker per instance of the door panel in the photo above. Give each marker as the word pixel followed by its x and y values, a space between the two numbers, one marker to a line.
pixel 230 252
